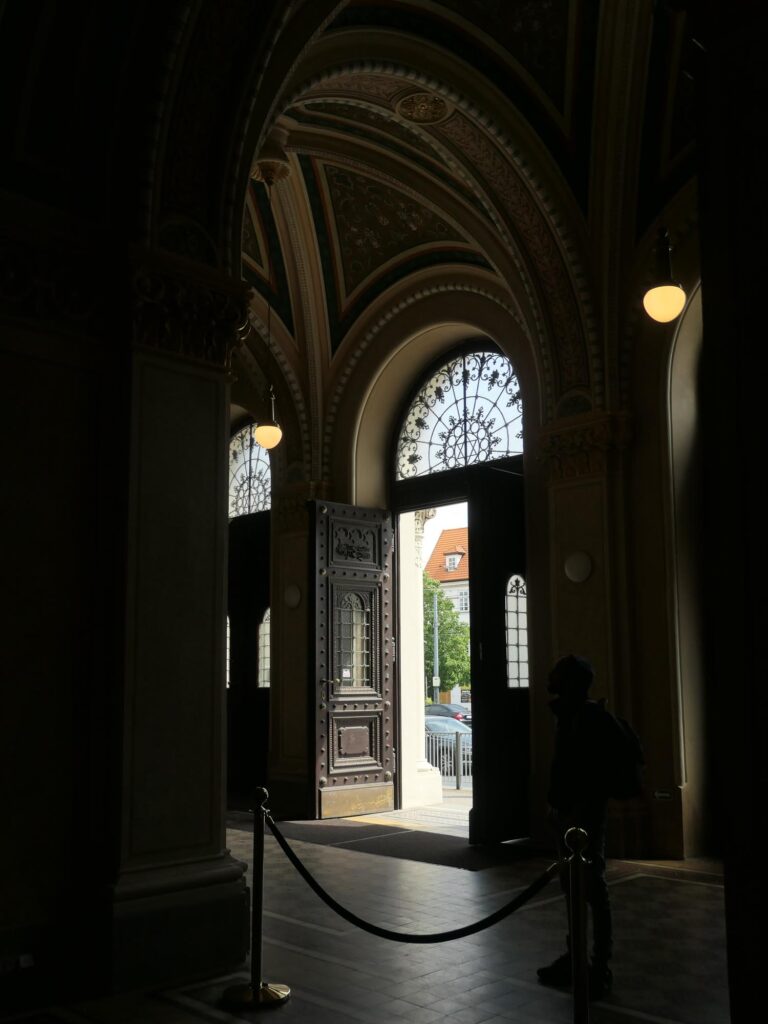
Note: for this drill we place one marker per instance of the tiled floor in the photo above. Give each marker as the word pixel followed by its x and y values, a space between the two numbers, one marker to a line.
pixel 669 960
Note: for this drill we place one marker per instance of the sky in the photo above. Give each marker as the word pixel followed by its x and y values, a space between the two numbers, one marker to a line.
pixel 448 516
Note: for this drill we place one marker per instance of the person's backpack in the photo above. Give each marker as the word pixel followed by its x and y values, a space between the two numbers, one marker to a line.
pixel 625 760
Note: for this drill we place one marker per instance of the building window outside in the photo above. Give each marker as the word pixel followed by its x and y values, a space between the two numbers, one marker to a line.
pixel 264 650
pixel 469 411
pixel 452 562
pixel 517 633
pixel 250 480
pixel 463 602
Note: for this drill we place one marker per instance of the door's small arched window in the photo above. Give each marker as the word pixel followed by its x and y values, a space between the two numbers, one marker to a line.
pixel 264 650
pixel 250 480
pixel 517 632
pixel 469 411
pixel 353 641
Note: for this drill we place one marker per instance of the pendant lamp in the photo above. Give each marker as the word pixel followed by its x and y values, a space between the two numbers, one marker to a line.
pixel 269 434
pixel 665 299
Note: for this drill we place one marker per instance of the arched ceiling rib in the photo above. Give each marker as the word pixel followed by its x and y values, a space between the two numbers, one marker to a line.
pixel 454 136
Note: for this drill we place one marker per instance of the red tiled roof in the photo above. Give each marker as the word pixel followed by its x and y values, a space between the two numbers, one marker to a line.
pixel 450 542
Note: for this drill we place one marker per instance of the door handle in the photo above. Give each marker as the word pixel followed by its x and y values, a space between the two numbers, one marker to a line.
pixel 327 687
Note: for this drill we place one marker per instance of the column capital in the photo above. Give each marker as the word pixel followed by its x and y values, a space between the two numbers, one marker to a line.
pixel 188 312
pixel 582 446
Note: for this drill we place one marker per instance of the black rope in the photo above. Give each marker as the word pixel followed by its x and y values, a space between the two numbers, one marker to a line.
pixel 385 933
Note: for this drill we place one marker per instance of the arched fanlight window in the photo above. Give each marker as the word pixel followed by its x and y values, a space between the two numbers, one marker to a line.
pixel 264 650
pixel 250 480
pixel 517 632
pixel 469 411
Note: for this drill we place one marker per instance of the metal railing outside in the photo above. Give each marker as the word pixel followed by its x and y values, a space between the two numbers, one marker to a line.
pixel 447 751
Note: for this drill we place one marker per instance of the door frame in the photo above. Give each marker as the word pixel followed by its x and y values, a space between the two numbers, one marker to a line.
pixel 446 488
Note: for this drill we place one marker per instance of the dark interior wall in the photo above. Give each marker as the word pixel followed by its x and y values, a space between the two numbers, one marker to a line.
pixel 733 98
pixel 63 453
pixel 92 776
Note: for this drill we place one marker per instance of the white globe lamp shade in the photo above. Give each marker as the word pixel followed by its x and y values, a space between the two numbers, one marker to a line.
pixel 664 302
pixel 268 435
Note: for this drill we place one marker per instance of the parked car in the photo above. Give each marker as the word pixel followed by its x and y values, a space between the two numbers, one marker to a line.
pixel 460 712
pixel 440 736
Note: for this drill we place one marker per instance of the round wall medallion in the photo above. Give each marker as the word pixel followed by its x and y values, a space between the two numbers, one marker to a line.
pixel 292 595
pixel 423 108
pixel 578 566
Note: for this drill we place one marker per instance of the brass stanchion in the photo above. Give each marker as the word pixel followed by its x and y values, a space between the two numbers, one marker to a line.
pixel 576 840
pixel 257 994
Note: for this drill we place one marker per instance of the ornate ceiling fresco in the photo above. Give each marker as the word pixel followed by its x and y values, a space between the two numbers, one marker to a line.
pixel 470 137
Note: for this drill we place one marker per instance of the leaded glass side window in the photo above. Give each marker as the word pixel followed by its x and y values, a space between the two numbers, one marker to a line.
pixel 229 651
pixel 250 480
pixel 353 640
pixel 469 411
pixel 264 650
pixel 517 632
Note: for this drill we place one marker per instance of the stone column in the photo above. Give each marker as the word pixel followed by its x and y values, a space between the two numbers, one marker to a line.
pixel 177 900
pixel 591 600
pixel 420 782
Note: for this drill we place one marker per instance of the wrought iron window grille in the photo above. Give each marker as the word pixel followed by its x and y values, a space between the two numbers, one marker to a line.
pixel 469 411
pixel 250 478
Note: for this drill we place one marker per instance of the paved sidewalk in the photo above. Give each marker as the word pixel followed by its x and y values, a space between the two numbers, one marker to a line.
pixel 450 818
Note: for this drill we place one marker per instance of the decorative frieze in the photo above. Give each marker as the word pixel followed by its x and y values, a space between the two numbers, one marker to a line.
pixel 56 286
pixel 195 320
pixel 583 448
pixel 515 199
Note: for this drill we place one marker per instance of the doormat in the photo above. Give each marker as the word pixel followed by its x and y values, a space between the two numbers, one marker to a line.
pixel 412 844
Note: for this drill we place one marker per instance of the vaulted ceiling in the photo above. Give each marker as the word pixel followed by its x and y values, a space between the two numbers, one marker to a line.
pixel 524 148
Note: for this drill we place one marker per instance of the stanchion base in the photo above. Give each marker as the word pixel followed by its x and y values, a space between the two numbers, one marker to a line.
pixel 244 997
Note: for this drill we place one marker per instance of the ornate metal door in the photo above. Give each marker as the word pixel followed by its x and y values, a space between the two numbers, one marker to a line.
pixel 353 679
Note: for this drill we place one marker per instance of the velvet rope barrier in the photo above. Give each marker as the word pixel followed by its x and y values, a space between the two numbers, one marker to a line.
pixel 385 933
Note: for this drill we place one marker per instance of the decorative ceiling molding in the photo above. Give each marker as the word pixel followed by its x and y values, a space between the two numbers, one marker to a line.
pixel 537 52
pixel 263 261
pixel 311 328
pixel 540 245
pixel 378 128
pixel 343 310
pixel 374 224
pixel 574 329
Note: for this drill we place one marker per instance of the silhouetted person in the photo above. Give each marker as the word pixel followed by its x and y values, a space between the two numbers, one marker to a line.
pixel 578 796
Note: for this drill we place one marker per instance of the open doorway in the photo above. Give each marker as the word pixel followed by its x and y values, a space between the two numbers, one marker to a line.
pixel 445 565
pixel 470 583
pixel 434 570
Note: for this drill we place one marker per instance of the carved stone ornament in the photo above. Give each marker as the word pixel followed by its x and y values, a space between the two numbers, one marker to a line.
pixel 193 320
pixel 584 449
pixel 423 108
pixel 52 286
pixel 271 164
